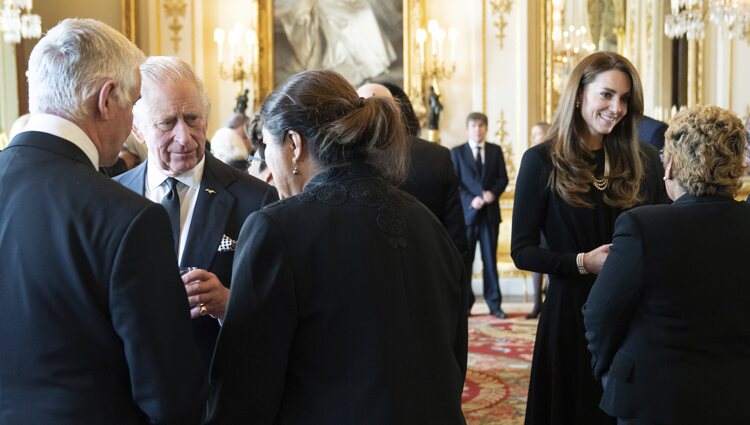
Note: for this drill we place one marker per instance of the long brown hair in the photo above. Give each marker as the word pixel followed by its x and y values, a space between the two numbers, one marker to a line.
pixel 572 172
pixel 339 126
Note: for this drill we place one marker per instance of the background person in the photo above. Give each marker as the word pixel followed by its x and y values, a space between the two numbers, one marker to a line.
pixel 669 348
pixel 213 199
pixel 97 327
pixel 228 147
pixel 347 302
pixel 431 178
pixel 482 177
pixel 570 189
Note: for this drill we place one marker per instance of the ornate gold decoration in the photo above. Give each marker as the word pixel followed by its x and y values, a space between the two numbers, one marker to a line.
pixel 501 134
pixel 175 9
pixel 128 20
pixel 501 8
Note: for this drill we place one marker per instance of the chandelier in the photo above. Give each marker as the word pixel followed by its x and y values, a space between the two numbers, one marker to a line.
pixel 17 21
pixel 688 18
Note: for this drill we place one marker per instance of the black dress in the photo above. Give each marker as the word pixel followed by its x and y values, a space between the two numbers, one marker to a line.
pixel 562 389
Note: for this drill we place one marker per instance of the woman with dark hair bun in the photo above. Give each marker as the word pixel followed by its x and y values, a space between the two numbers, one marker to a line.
pixel 347 303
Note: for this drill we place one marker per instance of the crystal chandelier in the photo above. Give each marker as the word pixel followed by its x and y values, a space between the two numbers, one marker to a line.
pixel 17 21
pixel 733 16
pixel 689 16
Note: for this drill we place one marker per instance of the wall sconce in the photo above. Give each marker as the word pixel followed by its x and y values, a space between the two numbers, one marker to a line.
pixel 436 65
pixel 17 21
pixel 242 46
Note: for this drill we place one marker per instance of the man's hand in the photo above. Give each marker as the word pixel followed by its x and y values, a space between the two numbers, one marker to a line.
pixel 477 203
pixel 204 288
pixel 488 197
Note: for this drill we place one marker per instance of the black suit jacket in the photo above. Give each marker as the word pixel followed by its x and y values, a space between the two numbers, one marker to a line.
pixel 494 178
pixel 227 196
pixel 346 308
pixel 652 131
pixel 667 318
pixel 97 326
pixel 433 182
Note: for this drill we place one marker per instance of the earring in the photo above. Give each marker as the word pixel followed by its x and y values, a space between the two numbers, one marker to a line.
pixel 578 105
pixel 295 171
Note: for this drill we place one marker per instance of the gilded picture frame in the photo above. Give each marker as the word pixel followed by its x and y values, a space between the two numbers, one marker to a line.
pixel 412 18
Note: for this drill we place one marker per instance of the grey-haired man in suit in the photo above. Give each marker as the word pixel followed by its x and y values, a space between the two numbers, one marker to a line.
pixel 208 201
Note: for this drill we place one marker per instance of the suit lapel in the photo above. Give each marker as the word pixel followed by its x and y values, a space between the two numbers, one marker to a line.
pixel 210 215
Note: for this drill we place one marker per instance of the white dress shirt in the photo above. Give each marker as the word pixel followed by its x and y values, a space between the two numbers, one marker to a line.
pixel 60 127
pixel 190 184
pixel 473 146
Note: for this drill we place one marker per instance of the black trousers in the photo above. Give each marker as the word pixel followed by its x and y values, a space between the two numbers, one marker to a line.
pixel 481 231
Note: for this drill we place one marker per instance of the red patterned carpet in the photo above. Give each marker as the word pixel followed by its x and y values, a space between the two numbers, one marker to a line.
pixel 499 367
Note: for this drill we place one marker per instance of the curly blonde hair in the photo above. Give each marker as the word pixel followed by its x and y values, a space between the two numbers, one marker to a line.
pixel 707 146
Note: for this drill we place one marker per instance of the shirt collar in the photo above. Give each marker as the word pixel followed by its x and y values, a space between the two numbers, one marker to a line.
pixel 191 178
pixel 474 145
pixel 60 127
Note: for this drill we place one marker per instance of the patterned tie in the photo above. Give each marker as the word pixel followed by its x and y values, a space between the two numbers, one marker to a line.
pixel 171 202
pixel 478 159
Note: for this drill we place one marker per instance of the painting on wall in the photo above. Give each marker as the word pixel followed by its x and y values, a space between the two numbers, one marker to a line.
pixel 360 39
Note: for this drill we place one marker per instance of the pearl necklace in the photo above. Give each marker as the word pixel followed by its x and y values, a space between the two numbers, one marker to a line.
pixel 602 183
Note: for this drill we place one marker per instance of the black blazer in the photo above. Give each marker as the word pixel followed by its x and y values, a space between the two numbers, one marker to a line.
pixel 97 325
pixel 667 318
pixel 226 198
pixel 346 308
pixel 652 131
pixel 433 182
pixel 494 178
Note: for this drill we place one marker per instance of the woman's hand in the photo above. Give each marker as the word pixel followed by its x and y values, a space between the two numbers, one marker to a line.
pixel 594 260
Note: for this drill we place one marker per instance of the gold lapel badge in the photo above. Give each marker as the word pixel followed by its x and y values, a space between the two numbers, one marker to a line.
pixel 210 191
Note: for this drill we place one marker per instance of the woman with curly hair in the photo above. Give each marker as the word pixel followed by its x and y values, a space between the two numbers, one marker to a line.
pixel 570 190
pixel 667 320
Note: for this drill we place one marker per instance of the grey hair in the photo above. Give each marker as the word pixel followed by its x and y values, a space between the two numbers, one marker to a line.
pixel 71 63
pixel 160 70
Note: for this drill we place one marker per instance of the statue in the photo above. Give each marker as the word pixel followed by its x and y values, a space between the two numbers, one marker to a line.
pixel 433 116
pixel 241 106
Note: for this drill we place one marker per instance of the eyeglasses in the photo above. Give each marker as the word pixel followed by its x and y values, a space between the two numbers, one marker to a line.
pixel 251 158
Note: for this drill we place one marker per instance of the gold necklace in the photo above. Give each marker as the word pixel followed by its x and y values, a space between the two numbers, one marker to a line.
pixel 602 183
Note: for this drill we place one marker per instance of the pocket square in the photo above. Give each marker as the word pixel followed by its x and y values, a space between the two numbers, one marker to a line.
pixel 227 244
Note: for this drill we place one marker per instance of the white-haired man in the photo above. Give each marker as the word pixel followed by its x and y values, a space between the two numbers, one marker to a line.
pixel 97 327
pixel 208 201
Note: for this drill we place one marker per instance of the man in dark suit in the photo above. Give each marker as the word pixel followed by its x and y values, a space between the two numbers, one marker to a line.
pixel 667 319
pixel 431 178
pixel 214 198
pixel 480 167
pixel 97 326
pixel 652 131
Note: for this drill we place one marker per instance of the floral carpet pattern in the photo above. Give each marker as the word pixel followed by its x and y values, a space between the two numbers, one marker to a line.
pixel 499 366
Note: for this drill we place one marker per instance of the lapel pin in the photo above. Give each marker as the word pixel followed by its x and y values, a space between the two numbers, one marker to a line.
pixel 211 191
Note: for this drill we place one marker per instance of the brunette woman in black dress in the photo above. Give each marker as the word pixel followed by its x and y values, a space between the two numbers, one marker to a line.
pixel 571 188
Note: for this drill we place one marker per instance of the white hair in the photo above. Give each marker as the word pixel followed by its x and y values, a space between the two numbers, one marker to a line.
pixel 228 146
pixel 160 70
pixel 71 63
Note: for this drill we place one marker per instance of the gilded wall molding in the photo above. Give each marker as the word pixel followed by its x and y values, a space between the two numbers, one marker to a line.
pixel 175 10
pixel 128 19
pixel 502 134
pixel 501 8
